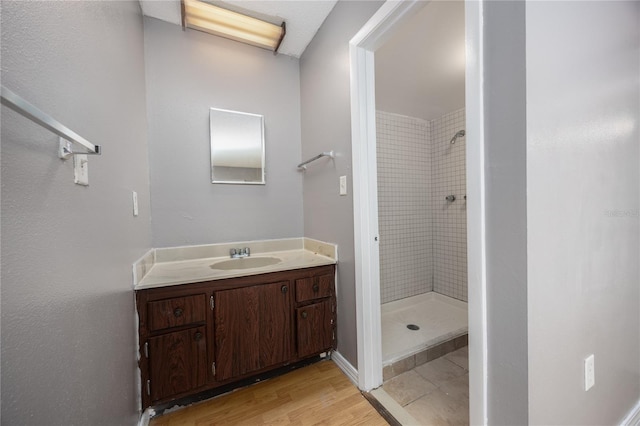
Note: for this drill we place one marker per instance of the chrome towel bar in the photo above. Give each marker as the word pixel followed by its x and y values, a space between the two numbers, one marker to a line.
pixel 24 108
pixel 303 165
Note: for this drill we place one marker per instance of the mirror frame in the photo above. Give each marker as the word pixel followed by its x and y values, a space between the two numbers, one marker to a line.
pixel 262 181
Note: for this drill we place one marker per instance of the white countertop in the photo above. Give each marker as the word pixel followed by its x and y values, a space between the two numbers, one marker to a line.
pixel 164 274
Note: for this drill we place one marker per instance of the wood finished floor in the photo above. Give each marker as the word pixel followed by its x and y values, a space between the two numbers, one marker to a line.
pixel 316 394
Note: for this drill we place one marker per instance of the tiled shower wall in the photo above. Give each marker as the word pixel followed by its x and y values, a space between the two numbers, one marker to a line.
pixel 422 236
pixel 404 199
pixel 448 175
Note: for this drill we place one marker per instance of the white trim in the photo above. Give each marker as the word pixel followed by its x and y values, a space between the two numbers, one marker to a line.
pixel 145 418
pixel 367 270
pixel 476 207
pixel 380 27
pixel 365 191
pixel 365 230
pixel 633 417
pixel 346 367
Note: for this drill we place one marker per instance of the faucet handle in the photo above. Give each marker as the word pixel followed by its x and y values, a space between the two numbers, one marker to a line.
pixel 246 251
pixel 232 252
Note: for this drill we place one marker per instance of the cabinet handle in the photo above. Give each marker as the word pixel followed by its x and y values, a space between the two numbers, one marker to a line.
pixel 197 336
pixel 304 314
pixel 284 289
pixel 177 312
pixel 316 288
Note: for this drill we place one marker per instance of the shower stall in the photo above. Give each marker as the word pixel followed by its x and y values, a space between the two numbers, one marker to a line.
pixel 422 225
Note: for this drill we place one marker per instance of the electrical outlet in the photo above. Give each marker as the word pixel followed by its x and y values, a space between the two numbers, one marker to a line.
pixel 589 372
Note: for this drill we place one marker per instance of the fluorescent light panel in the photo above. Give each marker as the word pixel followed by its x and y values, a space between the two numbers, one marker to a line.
pixel 232 25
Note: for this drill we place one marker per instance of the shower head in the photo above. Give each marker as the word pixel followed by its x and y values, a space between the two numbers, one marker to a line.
pixel 460 134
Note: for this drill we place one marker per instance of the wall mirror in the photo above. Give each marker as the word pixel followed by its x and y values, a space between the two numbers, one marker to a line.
pixel 237 147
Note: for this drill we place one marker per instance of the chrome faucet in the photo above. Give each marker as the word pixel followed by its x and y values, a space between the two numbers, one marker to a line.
pixel 243 252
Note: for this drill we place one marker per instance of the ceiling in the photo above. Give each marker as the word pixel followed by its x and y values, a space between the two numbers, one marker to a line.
pixel 303 17
pixel 420 70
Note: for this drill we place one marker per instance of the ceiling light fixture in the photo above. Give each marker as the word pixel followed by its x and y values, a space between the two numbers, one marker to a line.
pixel 232 25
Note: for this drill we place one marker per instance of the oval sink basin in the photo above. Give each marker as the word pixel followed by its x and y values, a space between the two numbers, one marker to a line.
pixel 245 263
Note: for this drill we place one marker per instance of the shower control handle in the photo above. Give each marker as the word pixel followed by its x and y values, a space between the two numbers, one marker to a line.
pixel 450 198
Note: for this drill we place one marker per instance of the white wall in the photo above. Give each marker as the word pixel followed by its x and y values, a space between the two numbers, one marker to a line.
pixel 68 354
pixel 187 73
pixel 326 125
pixel 403 153
pixel 583 113
pixel 448 168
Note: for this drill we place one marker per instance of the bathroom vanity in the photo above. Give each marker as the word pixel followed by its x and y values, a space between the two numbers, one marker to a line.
pixel 201 335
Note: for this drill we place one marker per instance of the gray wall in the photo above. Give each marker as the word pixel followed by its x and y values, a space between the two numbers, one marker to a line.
pixel 326 125
pixel 68 353
pixel 583 126
pixel 506 216
pixel 189 72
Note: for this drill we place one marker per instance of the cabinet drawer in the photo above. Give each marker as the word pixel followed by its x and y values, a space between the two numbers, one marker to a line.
pixel 175 312
pixel 314 287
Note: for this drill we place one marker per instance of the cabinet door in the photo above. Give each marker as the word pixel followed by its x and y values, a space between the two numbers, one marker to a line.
pixel 275 323
pixel 314 328
pixel 237 332
pixel 177 362
pixel 252 328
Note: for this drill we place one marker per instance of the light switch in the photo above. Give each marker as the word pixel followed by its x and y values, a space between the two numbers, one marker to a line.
pixel 135 202
pixel 589 372
pixel 343 185
pixel 81 169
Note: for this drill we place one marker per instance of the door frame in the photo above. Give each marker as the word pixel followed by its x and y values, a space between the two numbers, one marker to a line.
pixel 365 196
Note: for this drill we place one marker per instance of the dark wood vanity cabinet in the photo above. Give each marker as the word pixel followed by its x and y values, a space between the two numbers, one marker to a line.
pixel 195 337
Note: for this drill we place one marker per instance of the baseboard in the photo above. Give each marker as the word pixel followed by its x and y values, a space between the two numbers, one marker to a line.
pixel 345 366
pixel 633 417
pixel 145 417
